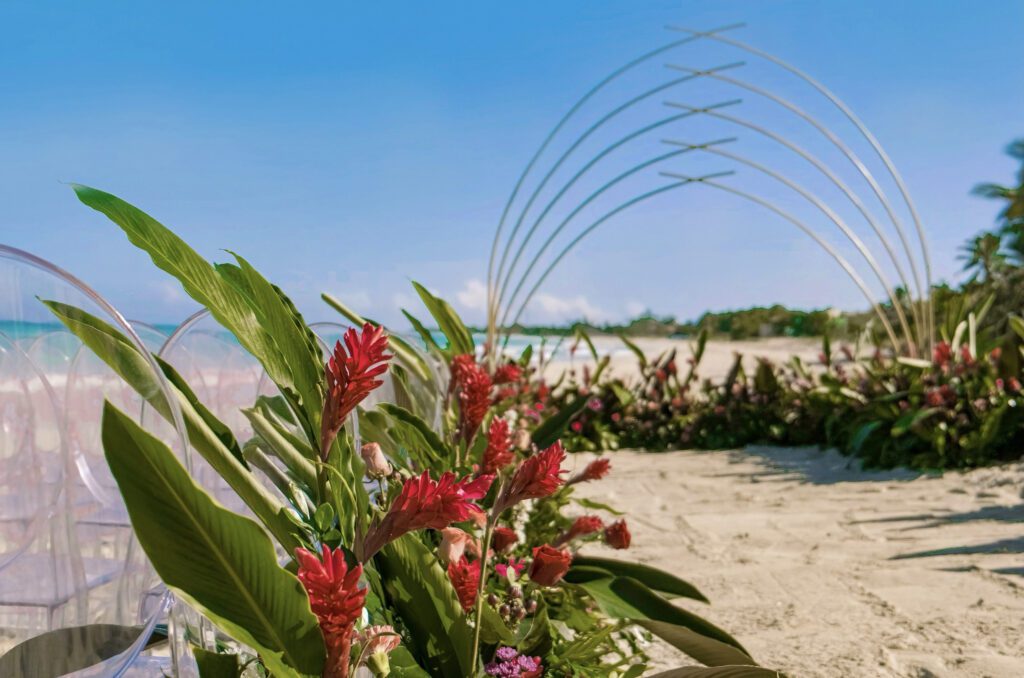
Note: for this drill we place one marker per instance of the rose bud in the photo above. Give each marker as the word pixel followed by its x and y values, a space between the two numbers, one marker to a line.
pixel 503 538
pixel 617 535
pixel 522 440
pixel 377 465
pixel 549 565
pixel 453 545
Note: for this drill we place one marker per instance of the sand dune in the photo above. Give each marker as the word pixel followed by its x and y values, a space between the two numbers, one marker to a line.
pixel 820 569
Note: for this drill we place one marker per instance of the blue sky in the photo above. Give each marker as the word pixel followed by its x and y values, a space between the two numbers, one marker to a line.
pixel 350 147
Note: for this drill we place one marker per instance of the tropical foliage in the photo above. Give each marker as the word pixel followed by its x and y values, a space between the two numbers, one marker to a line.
pixel 441 540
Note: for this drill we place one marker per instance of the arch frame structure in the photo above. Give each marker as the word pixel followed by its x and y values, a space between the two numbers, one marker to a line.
pixel 522 259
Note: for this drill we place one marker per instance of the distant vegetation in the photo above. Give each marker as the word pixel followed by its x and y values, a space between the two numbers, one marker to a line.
pixel 758 321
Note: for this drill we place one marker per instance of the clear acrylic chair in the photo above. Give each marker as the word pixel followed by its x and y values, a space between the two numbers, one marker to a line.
pixel 63 573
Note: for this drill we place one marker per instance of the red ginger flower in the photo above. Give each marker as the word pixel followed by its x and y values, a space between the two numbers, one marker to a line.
pixel 549 565
pixel 474 400
pixel 942 354
pixel 617 535
pixel 465 578
pixel 461 366
pixel 424 503
pixel 503 538
pixel 595 470
pixel 581 527
pixel 536 477
pixel 351 374
pixel 507 374
pixel 499 453
pixel 336 600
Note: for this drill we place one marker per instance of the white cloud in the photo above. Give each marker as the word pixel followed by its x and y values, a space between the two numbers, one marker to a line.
pixel 548 307
pixel 473 296
pixel 169 292
pixel 635 308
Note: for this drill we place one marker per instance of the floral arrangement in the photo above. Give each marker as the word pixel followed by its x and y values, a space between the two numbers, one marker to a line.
pixel 962 408
pixel 411 549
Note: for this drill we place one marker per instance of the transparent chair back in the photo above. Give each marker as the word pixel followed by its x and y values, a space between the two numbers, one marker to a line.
pixel 77 595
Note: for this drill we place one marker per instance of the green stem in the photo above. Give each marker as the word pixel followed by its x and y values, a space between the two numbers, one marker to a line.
pixel 488 531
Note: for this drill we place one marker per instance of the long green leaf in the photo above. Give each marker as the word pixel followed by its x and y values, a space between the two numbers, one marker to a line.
pixel 303 468
pixel 659 580
pixel 460 340
pixel 296 344
pixel 419 591
pixel 215 665
pixel 417 433
pixel 70 649
pixel 551 429
pixel 222 563
pixel 705 650
pixel 627 598
pixel 637 351
pixel 719 672
pixel 207 438
pixel 199 278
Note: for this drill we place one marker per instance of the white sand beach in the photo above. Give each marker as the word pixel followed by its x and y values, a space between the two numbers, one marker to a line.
pixel 822 570
pixel 718 354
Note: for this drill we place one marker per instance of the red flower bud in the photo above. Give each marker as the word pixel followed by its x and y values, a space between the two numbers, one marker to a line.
pixel 503 538
pixel 617 535
pixel 549 565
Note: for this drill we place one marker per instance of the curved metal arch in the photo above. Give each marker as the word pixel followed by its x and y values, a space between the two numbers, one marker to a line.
pixel 568 115
pixel 839 259
pixel 854 160
pixel 852 196
pixel 575 241
pixel 865 132
pixel 576 144
pixel 579 174
pixel 835 218
pixel 579 208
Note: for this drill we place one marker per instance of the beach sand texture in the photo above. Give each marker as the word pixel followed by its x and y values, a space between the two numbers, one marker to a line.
pixel 821 569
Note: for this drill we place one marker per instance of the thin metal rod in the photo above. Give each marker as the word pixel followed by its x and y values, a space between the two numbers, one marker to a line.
pixel 839 259
pixel 868 176
pixel 608 149
pixel 820 166
pixel 590 229
pixel 579 208
pixel 828 212
pixel 568 115
pixel 579 141
pixel 865 132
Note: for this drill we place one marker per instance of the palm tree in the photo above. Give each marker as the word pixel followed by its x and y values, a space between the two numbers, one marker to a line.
pixel 1012 216
pixel 982 256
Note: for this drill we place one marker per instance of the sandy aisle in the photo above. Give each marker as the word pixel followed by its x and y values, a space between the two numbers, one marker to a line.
pixel 821 570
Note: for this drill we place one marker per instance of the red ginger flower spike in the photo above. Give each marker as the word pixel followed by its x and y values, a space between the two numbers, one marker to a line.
pixel 942 354
pixel 499 453
pixel 351 373
pixel 336 600
pixel 474 401
pixel 617 535
pixel 595 470
pixel 538 476
pixel 507 374
pixel 465 578
pixel 424 503
pixel 549 565
pixel 461 366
